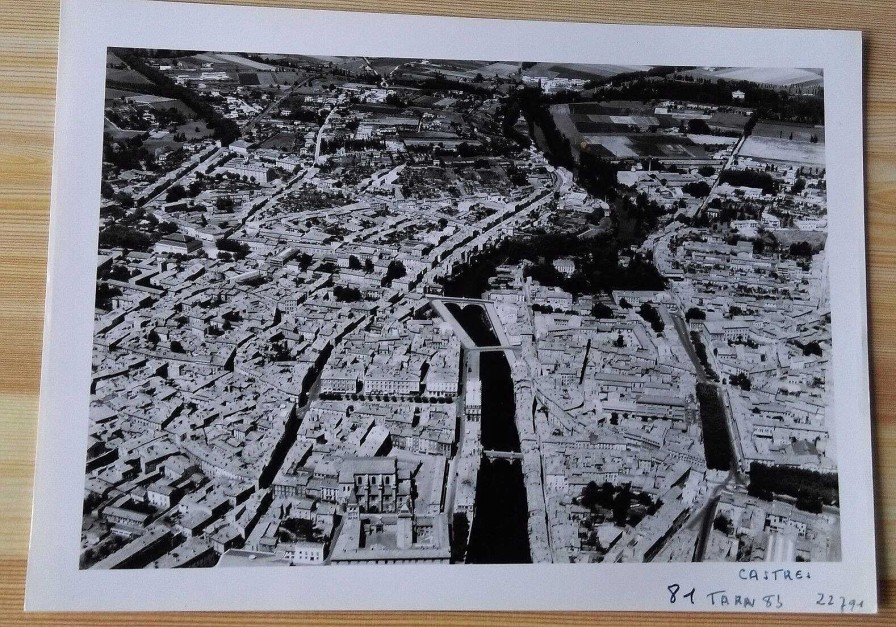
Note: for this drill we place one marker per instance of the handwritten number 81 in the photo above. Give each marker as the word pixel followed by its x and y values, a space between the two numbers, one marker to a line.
pixel 674 589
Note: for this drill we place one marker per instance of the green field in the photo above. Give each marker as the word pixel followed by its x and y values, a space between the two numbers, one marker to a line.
pixel 784 150
pixel 783 130
pixel 642 145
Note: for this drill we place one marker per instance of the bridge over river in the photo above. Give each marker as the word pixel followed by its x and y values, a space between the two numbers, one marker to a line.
pixel 492 455
pixel 499 340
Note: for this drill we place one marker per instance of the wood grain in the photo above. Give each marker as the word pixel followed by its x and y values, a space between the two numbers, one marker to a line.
pixel 28 38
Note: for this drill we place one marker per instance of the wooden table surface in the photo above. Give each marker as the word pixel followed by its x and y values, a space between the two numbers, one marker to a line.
pixel 28 38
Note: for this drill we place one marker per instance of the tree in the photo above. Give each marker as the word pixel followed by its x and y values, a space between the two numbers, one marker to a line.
pixel 105 292
pixel 699 127
pixel 175 193
pixel 346 294
pixel 124 199
pixel 622 502
pixel 368 265
pixel 800 249
pixel 597 175
pixel 224 203
pixel 697 189
pixel 354 263
pixel 812 348
pixel 516 176
pixel 742 381
pixel 590 495
pixel 652 316
pixel 695 313
pixel 396 270
pixel 624 304
pixel 280 351
pixel 809 503
pixel 467 150
pixel 239 249
pixel 597 215
pixel 395 100
pixel 167 228
pixel 723 523
pixel 119 273
pixel 152 337
pixel 120 236
pixel 176 347
pixel 601 311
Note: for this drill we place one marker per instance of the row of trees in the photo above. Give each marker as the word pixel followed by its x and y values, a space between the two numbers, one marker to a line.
pixel 810 488
pixel 121 236
pixel 329 146
pixel 625 77
pixel 700 349
pixel 750 178
pixel 385 398
pixel 769 104
pixel 716 443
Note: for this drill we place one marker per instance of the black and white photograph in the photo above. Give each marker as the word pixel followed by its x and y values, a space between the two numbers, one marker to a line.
pixel 448 303
pixel 371 310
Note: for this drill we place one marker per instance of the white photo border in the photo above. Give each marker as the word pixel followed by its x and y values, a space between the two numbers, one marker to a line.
pixel 88 27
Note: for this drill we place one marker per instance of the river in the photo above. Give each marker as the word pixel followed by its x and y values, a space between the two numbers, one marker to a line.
pixel 475 322
pixel 500 525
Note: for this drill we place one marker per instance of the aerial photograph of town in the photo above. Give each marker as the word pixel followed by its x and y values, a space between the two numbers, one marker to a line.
pixel 357 310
